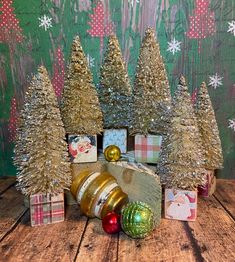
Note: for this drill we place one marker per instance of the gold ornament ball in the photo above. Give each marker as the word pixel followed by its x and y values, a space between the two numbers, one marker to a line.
pixel 112 153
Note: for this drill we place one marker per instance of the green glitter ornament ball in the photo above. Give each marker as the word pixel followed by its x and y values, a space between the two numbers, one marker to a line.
pixel 137 219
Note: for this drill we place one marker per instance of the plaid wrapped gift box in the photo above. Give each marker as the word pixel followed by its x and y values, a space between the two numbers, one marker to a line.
pixel 117 137
pixel 210 186
pixel 147 148
pixel 46 209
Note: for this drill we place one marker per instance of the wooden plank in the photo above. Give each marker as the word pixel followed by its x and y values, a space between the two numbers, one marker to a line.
pixel 213 232
pixel 55 242
pixel 225 194
pixel 97 245
pixel 139 185
pixel 5 183
pixel 168 242
pixel 11 209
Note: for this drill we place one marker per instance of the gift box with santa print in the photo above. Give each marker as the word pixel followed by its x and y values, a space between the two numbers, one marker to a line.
pixel 80 108
pixel 180 204
pixel 82 148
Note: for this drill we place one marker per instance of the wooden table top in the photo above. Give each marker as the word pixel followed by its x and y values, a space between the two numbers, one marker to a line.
pixel 210 238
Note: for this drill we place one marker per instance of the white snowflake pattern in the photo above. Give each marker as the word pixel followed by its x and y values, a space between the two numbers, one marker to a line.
pixel 45 21
pixel 173 46
pixel 215 81
pixel 231 124
pixel 231 27
pixel 90 60
pixel 131 2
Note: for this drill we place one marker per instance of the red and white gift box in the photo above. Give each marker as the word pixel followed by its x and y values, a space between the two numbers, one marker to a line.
pixel 209 188
pixel 147 148
pixel 46 209
pixel 82 148
pixel 180 204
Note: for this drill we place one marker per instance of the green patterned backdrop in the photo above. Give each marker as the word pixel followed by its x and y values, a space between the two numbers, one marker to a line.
pixel 197 39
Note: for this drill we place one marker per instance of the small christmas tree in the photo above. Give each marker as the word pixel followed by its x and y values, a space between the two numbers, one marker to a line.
pixel 202 22
pixel 208 129
pixel 10 31
pixel 80 106
pixel 41 158
pixel 182 156
pixel 100 24
pixel 115 87
pixel 152 98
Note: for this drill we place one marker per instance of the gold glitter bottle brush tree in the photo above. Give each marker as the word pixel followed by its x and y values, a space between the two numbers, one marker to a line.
pixel 80 108
pixel 114 86
pixel 151 101
pixel 151 92
pixel 41 156
pixel 182 159
pixel 211 140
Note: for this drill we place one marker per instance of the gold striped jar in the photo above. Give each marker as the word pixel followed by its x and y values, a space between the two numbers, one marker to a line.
pixel 97 193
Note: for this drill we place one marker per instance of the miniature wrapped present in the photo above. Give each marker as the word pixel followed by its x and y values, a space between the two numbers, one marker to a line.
pixel 147 148
pixel 82 148
pixel 46 209
pixel 180 204
pixel 210 187
pixel 117 137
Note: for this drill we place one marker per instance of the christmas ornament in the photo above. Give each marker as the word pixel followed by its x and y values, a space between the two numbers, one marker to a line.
pixel 137 219
pixel 97 193
pixel 111 223
pixel 112 153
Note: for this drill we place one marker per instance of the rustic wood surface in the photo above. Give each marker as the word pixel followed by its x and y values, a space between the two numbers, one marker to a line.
pixel 225 194
pixel 210 238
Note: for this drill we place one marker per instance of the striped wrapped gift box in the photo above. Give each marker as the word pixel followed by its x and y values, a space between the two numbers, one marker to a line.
pixel 147 148
pixel 46 209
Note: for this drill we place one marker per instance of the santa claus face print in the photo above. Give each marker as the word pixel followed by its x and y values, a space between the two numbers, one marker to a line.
pixel 180 204
pixel 82 149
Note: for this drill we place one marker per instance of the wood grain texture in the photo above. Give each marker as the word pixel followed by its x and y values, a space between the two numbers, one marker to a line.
pixel 210 238
pixel 11 209
pixel 139 186
pixel 55 242
pixel 97 245
pixel 225 194
pixel 168 242
pixel 5 183
pixel 213 232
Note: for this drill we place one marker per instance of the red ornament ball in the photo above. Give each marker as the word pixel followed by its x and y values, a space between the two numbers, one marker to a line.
pixel 111 223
